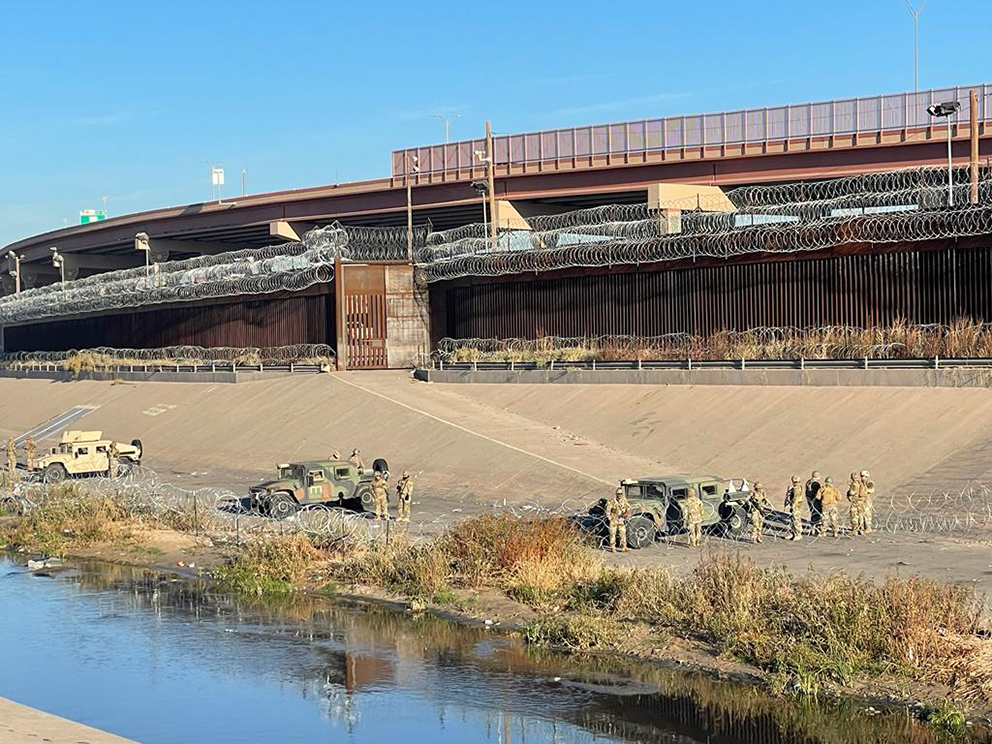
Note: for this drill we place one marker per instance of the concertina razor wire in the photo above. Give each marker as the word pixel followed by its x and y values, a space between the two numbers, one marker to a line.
pixel 891 206
pixel 220 514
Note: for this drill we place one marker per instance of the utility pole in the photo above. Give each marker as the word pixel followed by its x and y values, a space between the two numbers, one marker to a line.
pixel 447 123
pixel 490 167
pixel 915 12
pixel 973 130
pixel 16 271
pixel 244 182
pixel 412 166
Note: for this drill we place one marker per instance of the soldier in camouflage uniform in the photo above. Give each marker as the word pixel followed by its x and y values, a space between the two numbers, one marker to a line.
pixel 830 507
pixel 11 459
pixel 380 495
pixel 356 459
pixel 404 495
pixel 868 491
pixel 694 518
pixel 113 461
pixel 813 486
pixel 794 496
pixel 758 505
pixel 855 494
pixel 617 511
pixel 30 449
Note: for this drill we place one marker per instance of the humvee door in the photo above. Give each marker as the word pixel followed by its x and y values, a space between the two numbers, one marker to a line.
pixel 711 492
pixel 317 486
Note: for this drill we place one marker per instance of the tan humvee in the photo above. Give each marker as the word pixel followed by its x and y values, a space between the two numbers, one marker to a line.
pixel 84 453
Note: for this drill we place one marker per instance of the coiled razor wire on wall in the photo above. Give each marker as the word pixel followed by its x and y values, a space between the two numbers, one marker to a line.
pixel 288 267
pixel 184 355
pixel 220 513
pixel 905 206
pixel 963 339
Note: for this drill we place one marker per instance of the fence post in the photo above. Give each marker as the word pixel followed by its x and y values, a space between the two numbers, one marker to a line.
pixel 936 361
pixel 866 362
pixel 802 363
pixel 196 519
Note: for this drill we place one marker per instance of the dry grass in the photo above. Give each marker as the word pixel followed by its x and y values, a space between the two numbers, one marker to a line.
pixel 270 565
pixel 964 338
pixel 70 517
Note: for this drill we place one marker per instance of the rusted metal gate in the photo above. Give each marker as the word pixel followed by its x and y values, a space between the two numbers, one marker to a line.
pixel 365 316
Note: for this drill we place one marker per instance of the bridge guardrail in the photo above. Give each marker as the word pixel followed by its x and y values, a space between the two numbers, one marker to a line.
pixel 723 364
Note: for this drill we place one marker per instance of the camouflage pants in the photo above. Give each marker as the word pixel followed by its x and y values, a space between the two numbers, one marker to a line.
pixel 381 507
pixel 869 513
pixel 757 524
pixel 831 519
pixel 618 535
pixel 695 533
pixel 404 510
pixel 796 520
pixel 857 518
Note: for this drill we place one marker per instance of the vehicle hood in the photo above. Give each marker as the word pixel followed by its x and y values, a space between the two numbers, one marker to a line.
pixel 284 484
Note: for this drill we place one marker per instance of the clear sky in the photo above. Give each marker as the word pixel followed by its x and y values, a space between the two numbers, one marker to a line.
pixel 132 100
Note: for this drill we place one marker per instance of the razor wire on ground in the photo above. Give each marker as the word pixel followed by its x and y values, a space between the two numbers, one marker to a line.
pixel 911 205
pixel 963 339
pixel 105 356
pixel 221 514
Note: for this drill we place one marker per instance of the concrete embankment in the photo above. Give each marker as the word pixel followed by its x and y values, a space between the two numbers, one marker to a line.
pixel 19 724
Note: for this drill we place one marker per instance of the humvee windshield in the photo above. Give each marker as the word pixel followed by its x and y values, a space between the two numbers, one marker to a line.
pixel 290 471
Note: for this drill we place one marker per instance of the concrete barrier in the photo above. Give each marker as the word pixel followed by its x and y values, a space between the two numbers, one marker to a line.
pixel 810 377
pixel 150 375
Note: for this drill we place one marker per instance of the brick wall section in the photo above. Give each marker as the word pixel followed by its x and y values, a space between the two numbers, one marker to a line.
pixel 407 329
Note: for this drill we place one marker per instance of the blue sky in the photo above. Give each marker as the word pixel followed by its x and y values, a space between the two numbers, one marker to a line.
pixel 132 100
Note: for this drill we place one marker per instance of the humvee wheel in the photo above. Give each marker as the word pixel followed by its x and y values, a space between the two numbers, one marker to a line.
pixel 141 450
pixel 732 520
pixel 54 473
pixel 641 532
pixel 365 499
pixel 281 506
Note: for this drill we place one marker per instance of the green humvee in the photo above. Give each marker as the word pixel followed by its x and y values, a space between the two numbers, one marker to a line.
pixel 657 506
pixel 334 482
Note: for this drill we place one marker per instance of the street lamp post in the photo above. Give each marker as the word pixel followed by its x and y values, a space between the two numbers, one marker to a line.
pixel 141 243
pixel 945 111
pixel 59 263
pixel 482 189
pixel 412 166
pixel 915 12
pixel 447 123
pixel 16 270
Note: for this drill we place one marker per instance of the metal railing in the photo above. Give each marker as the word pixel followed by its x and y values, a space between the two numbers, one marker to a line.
pixel 845 116
pixel 723 364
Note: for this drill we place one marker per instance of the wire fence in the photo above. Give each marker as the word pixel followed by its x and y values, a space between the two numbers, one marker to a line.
pixel 108 357
pixel 224 515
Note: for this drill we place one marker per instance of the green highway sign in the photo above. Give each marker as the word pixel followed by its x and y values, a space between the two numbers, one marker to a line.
pixel 91 215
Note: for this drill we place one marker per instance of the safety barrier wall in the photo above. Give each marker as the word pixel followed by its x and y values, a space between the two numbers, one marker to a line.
pixel 821 119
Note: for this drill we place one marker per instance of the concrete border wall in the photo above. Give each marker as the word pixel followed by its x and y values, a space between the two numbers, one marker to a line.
pixel 809 377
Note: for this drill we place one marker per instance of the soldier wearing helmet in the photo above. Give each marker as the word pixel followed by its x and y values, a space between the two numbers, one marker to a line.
pixel 830 507
pixel 868 486
pixel 617 512
pixel 356 459
pixel 856 495
pixel 794 496
pixel 758 505
pixel 404 496
pixel 813 486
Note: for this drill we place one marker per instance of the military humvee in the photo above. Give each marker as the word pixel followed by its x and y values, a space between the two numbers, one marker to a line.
pixel 657 506
pixel 333 482
pixel 84 453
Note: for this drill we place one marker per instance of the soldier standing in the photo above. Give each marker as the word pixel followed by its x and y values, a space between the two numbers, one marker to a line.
pixel 11 458
pixel 113 461
pixel 30 449
pixel 868 495
pixel 813 486
pixel 694 518
pixel 830 507
pixel 404 495
pixel 356 459
pixel 617 511
pixel 380 495
pixel 758 504
pixel 794 507
pixel 855 495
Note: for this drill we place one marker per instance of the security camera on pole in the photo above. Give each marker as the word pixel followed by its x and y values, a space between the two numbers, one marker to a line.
pixel 946 111
pixel 59 263
pixel 15 270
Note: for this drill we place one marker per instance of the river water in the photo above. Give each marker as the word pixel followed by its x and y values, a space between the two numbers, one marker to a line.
pixel 157 658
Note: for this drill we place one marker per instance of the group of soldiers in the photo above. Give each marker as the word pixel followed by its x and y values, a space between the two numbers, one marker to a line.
pixel 822 499
pixel 380 488
pixel 819 495
pixel 30 450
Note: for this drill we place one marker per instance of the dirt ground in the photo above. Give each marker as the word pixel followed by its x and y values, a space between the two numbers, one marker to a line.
pixel 517 447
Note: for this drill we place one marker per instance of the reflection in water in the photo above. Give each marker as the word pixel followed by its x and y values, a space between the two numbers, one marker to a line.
pixel 306 666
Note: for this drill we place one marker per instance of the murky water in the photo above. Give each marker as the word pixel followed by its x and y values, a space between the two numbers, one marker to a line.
pixel 160 659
